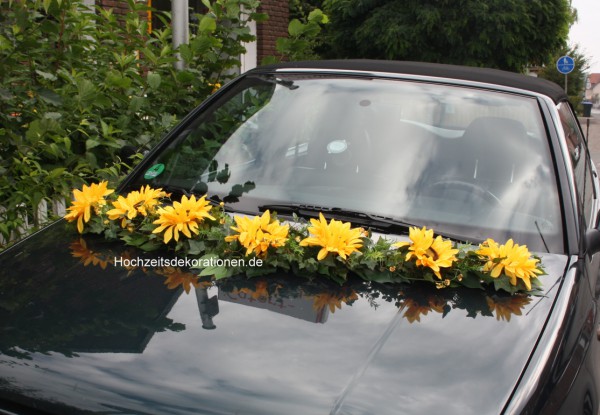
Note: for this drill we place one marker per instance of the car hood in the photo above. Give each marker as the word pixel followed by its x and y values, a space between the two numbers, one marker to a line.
pixel 80 334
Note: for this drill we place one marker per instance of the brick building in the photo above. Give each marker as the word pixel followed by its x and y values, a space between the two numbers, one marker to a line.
pixel 266 33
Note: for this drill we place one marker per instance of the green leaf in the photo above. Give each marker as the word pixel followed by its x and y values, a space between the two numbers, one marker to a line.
pixel 116 79
pixel 154 80
pixel 196 247
pixel 259 17
pixel 471 281
pixel 36 198
pixel 5 44
pixel 105 129
pixel 295 28
pixel 86 91
pixel 52 115
pixel 207 24
pixel 318 16
pixel 46 75
pixel 185 77
pixel 50 97
pixel 151 246
pixel 46 4
pixel 56 173
pixel 503 283
pixel 216 272
pixel 136 103
pixel 91 143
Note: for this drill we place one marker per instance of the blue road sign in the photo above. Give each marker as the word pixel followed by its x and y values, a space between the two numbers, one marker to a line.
pixel 565 64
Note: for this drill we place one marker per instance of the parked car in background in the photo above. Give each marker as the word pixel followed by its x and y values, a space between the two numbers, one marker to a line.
pixel 472 153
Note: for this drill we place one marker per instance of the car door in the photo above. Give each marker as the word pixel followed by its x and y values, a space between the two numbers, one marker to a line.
pixel 581 346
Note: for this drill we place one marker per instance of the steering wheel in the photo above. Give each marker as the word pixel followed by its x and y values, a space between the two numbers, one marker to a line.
pixel 446 186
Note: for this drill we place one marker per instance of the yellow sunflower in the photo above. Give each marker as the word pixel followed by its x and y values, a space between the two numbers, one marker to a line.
pixel 334 237
pixel 257 234
pixel 184 217
pixel 142 202
pixel 512 259
pixel 429 252
pixel 84 200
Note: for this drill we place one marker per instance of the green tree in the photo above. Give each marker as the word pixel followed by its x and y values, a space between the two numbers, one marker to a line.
pixel 575 80
pixel 504 34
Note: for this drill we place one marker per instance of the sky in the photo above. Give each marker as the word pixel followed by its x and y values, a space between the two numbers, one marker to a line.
pixel 586 31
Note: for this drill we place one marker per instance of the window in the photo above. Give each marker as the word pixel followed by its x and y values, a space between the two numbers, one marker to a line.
pixel 460 160
pixel 580 161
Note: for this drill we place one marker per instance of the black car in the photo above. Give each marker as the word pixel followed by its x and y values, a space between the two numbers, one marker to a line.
pixel 96 325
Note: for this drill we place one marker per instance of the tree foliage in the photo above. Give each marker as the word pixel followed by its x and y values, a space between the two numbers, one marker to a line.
pixel 303 38
pixel 504 34
pixel 76 86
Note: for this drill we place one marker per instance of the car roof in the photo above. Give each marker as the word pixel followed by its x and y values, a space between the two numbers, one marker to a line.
pixel 466 73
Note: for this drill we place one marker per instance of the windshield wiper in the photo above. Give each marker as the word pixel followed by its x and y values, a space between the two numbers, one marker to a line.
pixel 382 223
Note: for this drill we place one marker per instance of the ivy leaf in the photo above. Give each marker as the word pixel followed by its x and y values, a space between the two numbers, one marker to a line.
pixel 216 272
pixel 151 246
pixel 503 283
pixel 471 281
pixel 196 247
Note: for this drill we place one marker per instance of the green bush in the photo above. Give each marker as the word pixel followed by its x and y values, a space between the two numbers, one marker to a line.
pixel 77 85
pixel 302 40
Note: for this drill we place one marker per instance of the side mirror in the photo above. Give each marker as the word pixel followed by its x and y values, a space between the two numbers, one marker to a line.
pixel 592 241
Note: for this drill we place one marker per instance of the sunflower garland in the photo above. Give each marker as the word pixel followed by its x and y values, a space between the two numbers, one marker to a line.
pixel 148 219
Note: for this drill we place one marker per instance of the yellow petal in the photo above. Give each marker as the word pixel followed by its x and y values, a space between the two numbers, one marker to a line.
pixel 168 234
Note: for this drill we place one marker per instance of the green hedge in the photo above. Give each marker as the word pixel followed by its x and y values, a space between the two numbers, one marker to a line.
pixel 76 85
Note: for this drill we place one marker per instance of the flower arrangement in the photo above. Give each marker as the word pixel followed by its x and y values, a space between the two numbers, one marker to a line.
pixel 149 219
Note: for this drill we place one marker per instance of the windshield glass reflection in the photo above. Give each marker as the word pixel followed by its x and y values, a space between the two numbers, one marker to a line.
pixel 460 160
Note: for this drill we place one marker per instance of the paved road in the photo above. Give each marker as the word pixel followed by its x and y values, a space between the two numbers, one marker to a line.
pixel 591 127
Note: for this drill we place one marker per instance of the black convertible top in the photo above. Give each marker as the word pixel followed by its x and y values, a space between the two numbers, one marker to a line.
pixel 467 73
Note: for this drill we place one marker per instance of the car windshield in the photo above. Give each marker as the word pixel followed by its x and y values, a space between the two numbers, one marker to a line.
pixel 461 160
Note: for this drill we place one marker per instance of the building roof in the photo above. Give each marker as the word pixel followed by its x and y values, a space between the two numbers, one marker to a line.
pixel 594 78
pixel 467 73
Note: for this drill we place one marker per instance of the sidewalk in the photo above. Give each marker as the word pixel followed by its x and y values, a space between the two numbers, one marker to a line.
pixel 593 134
